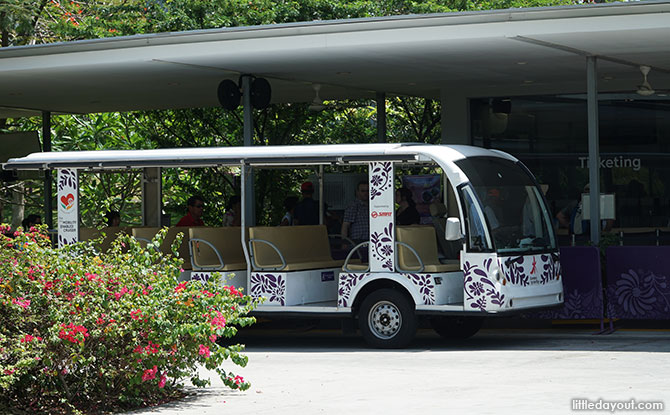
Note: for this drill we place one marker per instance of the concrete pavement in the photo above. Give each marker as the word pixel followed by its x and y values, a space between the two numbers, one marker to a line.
pixel 497 371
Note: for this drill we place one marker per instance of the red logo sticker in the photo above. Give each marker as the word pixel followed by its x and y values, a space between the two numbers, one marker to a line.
pixel 375 214
pixel 67 201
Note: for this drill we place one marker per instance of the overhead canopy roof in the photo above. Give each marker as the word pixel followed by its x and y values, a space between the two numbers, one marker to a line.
pixel 254 155
pixel 492 53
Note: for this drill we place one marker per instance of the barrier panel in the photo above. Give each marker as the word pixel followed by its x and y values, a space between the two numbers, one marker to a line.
pixel 582 286
pixel 638 286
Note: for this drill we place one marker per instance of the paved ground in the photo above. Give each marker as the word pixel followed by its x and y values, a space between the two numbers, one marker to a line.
pixel 496 372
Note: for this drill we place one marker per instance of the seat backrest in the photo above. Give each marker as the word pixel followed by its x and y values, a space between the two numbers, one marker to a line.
pixel 227 241
pixel 439 214
pixel 296 243
pixel 88 233
pixel 422 239
pixel 110 232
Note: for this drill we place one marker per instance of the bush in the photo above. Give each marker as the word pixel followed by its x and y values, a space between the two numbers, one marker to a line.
pixel 88 331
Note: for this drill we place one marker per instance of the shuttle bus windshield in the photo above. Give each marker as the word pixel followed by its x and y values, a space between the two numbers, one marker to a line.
pixel 512 204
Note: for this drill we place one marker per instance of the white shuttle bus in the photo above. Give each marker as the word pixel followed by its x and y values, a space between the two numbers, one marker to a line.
pixel 487 246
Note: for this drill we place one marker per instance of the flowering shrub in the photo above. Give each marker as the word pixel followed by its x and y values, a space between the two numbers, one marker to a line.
pixel 86 330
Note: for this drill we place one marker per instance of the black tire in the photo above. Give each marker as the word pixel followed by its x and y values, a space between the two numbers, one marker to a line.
pixel 387 319
pixel 456 327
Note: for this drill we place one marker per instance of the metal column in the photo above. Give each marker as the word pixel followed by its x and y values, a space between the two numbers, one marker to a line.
pixel 594 146
pixel 48 178
pixel 248 183
pixel 151 196
pixel 381 117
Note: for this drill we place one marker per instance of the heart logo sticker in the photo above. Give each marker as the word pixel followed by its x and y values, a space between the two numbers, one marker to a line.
pixel 67 202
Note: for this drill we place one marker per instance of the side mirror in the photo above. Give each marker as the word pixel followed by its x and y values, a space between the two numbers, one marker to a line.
pixel 453 230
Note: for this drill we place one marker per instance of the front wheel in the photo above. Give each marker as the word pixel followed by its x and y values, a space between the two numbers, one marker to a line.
pixel 456 327
pixel 387 319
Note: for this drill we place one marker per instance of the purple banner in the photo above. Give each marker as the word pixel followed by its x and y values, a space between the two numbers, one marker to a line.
pixel 637 281
pixel 582 286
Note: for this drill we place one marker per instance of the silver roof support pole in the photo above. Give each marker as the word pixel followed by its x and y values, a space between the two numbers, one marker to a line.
pixel 381 117
pixel 594 146
pixel 151 196
pixel 248 141
pixel 243 223
pixel 322 206
pixel 48 178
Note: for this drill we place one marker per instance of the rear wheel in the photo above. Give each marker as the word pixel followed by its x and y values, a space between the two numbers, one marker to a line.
pixel 456 327
pixel 387 319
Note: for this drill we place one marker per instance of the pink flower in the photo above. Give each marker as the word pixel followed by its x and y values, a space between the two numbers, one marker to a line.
pixel 219 321
pixel 180 287
pixel 161 382
pixel 238 380
pixel 204 350
pixel 70 331
pixel 20 301
pixel 28 338
pixel 135 315
pixel 232 290
pixel 9 371
pixel 213 338
pixel 120 294
pixel 149 374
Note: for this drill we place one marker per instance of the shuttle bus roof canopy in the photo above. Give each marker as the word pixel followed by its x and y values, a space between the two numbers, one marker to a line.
pixel 255 156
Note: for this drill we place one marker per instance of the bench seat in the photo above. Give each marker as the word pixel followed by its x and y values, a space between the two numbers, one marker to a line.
pixel 226 241
pixel 423 240
pixel 303 248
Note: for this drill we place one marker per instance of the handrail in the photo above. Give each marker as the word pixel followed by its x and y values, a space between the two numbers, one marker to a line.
pixel 273 246
pixel 194 265
pixel 346 261
pixel 416 254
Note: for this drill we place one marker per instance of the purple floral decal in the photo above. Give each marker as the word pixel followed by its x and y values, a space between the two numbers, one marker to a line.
pixel 531 270
pixel 268 285
pixel 381 179
pixel 346 285
pixel 67 178
pixel 576 305
pixel 640 294
pixel 424 283
pixel 382 246
pixel 513 270
pixel 551 268
pixel 478 287
pixel 203 277
pixel 66 241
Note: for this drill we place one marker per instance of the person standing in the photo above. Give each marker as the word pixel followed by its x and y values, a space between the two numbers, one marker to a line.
pixel 195 206
pixel 289 204
pixel 407 214
pixel 233 215
pixel 356 223
pixel 307 210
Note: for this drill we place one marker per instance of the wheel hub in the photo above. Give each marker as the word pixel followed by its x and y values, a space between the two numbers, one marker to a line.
pixel 385 320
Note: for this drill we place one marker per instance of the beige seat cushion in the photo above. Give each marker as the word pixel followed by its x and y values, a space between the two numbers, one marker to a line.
pixel 423 240
pixel 226 240
pixel 358 267
pixel 303 247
